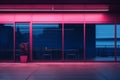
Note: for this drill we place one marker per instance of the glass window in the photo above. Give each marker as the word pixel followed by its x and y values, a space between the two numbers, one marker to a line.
pixel 90 41
pixel 100 42
pixel 105 36
pixel 73 42
pixel 22 36
pixel 118 42
pixel 6 41
pixel 47 41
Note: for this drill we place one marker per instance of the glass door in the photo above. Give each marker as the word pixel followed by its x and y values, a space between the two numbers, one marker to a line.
pixel 21 40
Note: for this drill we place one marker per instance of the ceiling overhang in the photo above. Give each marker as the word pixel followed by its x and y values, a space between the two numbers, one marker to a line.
pixel 54 8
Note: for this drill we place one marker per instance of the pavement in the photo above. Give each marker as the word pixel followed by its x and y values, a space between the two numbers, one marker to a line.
pixel 60 71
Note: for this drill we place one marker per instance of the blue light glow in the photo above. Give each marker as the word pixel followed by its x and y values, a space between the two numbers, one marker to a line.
pixel 105 36
pixel 118 36
pixel 39 28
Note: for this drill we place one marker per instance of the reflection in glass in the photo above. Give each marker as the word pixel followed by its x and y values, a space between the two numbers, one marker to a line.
pixel 118 42
pixel 73 42
pixel 47 41
pixel 103 35
pixel 22 36
pixel 6 41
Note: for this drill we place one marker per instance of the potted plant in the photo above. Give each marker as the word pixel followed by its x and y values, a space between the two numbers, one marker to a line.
pixel 23 52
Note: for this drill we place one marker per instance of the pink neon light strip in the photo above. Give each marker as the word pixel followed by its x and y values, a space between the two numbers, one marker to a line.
pixel 56 10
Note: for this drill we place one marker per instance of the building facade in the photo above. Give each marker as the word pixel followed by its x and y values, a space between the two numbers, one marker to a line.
pixel 60 32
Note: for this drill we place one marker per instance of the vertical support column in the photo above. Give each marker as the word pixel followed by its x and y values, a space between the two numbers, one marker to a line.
pixel 84 41
pixel 14 53
pixel 63 41
pixel 31 41
pixel 115 39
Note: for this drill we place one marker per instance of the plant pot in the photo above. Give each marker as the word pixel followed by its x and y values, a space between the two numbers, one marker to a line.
pixel 23 59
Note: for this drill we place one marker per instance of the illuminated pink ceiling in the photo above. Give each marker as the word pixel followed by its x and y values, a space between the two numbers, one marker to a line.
pixel 57 18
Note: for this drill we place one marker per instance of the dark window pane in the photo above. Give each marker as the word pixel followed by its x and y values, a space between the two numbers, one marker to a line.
pixel 90 41
pixel 47 41
pixel 6 41
pixel 73 41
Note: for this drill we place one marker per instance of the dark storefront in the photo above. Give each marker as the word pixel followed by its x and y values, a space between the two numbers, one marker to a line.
pixel 60 32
